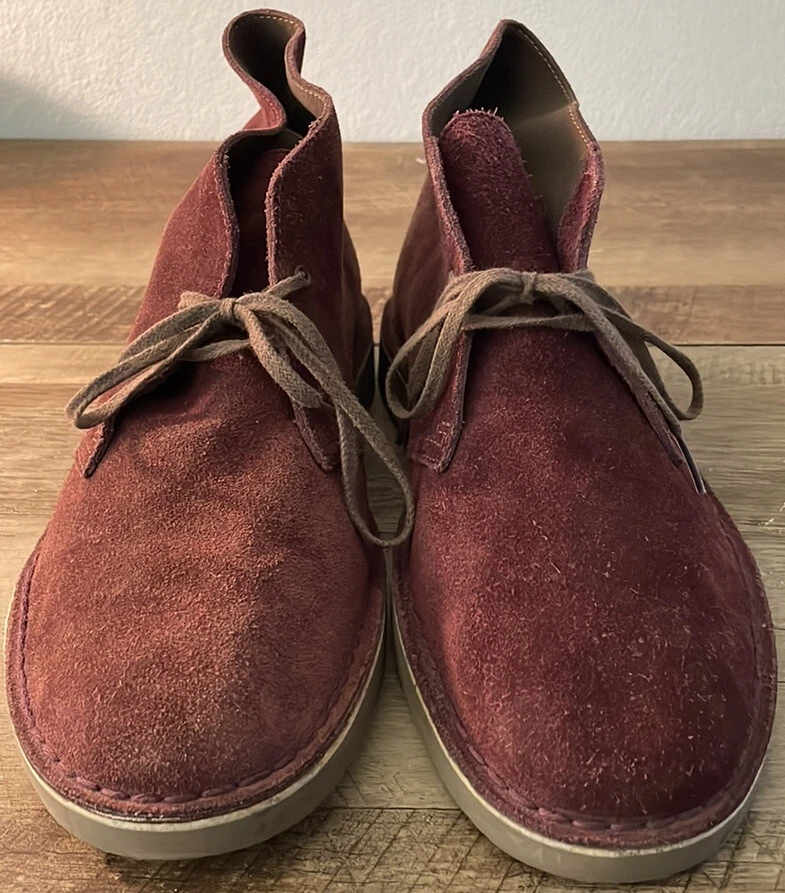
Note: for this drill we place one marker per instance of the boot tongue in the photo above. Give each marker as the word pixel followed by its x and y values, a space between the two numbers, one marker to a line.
pixel 502 220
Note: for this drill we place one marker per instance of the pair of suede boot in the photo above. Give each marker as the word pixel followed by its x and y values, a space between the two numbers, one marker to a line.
pixel 195 646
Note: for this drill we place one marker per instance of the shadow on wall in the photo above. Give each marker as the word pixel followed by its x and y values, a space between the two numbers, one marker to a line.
pixel 24 111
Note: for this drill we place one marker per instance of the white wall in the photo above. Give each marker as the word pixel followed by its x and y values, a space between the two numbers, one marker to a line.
pixel 153 69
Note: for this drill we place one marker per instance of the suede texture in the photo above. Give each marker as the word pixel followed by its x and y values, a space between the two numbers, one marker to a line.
pixel 589 632
pixel 200 616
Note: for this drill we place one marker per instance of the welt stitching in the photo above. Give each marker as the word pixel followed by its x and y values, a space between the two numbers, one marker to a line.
pixel 113 794
pixel 588 823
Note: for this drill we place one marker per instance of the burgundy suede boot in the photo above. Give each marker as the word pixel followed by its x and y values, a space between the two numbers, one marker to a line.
pixel 582 634
pixel 194 648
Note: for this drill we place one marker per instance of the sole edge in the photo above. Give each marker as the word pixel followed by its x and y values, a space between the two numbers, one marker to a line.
pixel 578 863
pixel 176 840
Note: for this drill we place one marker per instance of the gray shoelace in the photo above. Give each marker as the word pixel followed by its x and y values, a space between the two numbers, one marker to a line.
pixel 275 331
pixel 494 299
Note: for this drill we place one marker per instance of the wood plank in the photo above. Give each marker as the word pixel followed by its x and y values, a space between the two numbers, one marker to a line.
pixel 693 213
pixel 706 314
pixel 682 314
pixel 690 234
pixel 88 314
pixel 93 210
pixel 339 850
pixel 40 312
pixel 691 238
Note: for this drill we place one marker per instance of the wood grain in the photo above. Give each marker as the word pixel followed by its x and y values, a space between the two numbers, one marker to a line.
pixel 374 850
pixel 692 234
pixel 691 238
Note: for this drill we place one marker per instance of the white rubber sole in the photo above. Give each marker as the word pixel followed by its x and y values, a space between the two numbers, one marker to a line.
pixel 587 864
pixel 145 839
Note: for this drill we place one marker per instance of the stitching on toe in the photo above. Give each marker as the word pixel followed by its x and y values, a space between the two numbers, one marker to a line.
pixel 589 823
pixel 148 798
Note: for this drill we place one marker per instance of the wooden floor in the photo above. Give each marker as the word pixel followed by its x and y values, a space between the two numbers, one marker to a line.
pixel 691 237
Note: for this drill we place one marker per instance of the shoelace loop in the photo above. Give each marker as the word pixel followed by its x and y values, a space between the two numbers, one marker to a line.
pixel 277 332
pixel 489 299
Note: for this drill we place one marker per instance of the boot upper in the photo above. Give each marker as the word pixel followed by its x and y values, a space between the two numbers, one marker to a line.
pixel 201 613
pixel 585 624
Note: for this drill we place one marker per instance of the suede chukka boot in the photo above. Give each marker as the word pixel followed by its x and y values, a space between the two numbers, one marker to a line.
pixel 582 634
pixel 194 647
